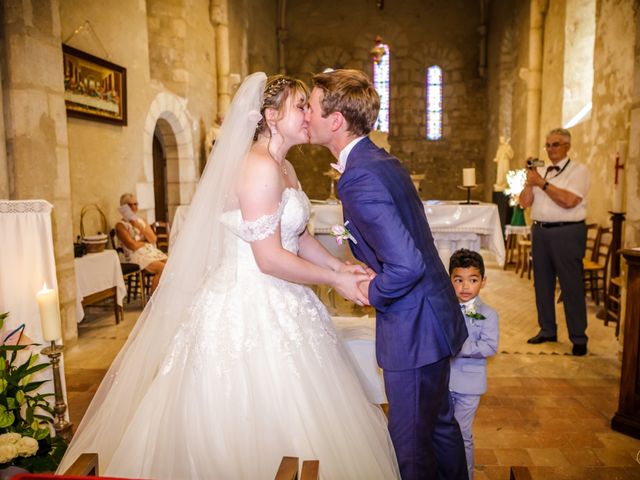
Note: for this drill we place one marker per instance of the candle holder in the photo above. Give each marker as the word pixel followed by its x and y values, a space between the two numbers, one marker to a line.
pixel 334 175
pixel 61 425
pixel 468 188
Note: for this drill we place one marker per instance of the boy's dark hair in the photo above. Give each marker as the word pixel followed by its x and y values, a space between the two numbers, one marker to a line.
pixel 465 258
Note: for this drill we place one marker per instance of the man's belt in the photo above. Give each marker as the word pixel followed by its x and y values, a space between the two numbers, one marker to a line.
pixel 555 224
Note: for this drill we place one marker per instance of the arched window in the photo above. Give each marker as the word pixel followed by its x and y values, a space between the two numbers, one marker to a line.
pixel 381 84
pixel 434 103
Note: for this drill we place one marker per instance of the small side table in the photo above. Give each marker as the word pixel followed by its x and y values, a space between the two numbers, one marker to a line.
pixel 511 234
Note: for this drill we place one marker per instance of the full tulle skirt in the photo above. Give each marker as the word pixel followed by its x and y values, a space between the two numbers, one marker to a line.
pixel 255 372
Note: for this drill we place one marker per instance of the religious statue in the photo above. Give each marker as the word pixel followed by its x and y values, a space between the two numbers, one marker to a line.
pixel 503 157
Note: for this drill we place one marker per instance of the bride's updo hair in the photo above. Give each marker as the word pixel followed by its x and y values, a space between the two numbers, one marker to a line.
pixel 276 92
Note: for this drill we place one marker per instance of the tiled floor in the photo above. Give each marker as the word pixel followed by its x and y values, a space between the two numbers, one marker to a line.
pixel 544 408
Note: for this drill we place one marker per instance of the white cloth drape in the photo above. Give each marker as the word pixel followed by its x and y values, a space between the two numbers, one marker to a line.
pixel 27 261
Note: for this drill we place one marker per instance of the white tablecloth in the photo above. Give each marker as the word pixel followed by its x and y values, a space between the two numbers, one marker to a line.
pixel 452 224
pixel 358 335
pixel 96 272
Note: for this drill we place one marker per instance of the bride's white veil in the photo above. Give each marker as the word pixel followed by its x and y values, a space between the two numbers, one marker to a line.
pixel 196 253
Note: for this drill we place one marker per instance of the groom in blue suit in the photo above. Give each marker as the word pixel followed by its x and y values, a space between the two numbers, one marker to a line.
pixel 419 325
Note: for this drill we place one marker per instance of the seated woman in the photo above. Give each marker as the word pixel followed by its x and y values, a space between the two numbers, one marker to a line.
pixel 138 240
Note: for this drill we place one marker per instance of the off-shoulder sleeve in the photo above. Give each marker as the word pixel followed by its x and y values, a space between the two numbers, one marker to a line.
pixel 260 228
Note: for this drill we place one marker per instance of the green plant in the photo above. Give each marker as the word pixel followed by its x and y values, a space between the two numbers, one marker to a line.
pixel 26 417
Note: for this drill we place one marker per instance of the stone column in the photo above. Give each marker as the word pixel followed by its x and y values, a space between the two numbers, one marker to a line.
pixel 220 21
pixel 36 128
pixel 282 35
pixel 4 164
pixel 534 77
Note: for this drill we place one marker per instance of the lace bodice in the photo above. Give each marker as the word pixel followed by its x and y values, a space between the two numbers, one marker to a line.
pixel 292 215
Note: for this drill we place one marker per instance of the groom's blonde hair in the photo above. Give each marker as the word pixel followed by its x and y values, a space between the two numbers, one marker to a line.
pixel 351 93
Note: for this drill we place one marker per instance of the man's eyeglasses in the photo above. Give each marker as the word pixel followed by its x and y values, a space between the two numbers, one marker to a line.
pixel 554 145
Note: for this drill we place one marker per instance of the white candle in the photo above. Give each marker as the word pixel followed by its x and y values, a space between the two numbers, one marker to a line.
pixel 49 313
pixel 618 188
pixel 468 177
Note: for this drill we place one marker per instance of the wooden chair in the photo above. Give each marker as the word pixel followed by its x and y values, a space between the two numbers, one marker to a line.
pixel 592 236
pixel 519 473
pixel 162 231
pixel 612 303
pixel 131 272
pixel 596 268
pixel 523 260
pixel 288 469
pixel 86 466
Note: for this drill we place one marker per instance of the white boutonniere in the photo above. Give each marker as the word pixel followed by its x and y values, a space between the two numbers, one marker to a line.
pixel 342 233
pixel 471 312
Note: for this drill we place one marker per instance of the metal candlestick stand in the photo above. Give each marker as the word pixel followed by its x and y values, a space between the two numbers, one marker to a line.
pixel 468 188
pixel 334 175
pixel 61 425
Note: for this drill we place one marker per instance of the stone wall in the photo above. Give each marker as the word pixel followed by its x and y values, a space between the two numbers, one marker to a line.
pixel 35 130
pixel 106 160
pixel 508 59
pixel 419 34
pixel 607 128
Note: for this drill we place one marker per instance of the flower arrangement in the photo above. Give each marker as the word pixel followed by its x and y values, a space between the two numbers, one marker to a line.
pixel 471 312
pixel 516 180
pixel 342 233
pixel 26 417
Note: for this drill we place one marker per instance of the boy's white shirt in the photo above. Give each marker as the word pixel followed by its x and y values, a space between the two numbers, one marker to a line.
pixel 468 304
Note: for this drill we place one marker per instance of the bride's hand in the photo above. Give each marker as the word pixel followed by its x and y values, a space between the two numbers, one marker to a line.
pixel 346 284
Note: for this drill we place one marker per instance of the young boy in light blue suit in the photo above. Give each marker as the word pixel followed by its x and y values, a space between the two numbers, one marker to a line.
pixel 468 378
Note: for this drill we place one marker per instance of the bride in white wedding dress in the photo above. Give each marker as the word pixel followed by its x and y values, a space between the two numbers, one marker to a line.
pixel 234 363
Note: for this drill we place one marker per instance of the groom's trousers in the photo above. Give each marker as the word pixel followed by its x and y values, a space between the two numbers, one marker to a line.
pixel 425 434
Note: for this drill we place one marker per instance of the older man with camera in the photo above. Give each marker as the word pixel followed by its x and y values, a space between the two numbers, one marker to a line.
pixel 557 197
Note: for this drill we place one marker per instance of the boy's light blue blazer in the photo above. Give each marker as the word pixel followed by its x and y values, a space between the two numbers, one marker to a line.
pixel 469 367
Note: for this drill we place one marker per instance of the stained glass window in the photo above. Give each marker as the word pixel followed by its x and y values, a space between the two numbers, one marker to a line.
pixel 434 103
pixel 381 84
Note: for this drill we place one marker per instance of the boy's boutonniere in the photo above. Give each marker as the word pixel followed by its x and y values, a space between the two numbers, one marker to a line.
pixel 470 312
pixel 342 233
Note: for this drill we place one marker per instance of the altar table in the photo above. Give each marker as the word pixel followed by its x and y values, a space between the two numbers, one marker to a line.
pixel 452 224
pixel 99 277
pixel 358 335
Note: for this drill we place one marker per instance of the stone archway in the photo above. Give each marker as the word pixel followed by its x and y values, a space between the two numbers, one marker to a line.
pixel 169 119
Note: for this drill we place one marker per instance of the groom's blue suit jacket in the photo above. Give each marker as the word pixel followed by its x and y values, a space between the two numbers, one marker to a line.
pixel 418 319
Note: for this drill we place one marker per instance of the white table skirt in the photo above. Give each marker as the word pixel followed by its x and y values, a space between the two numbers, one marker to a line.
pixel 358 335
pixel 96 272
pixel 452 224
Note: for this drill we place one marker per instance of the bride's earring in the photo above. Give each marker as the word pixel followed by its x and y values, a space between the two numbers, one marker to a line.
pixel 274 130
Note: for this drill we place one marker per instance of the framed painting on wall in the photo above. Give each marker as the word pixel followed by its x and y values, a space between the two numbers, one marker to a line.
pixel 94 88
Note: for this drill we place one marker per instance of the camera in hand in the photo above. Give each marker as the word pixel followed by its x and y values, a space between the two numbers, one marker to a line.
pixel 534 163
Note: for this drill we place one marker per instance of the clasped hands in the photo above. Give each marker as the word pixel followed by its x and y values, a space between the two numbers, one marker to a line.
pixel 352 282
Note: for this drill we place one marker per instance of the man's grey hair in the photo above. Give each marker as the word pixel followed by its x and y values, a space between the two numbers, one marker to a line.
pixel 126 198
pixel 563 132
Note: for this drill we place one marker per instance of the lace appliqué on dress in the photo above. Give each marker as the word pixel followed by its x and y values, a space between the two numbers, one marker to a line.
pixel 260 228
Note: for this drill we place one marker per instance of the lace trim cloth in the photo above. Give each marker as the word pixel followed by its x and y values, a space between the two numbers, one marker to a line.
pixel 25 206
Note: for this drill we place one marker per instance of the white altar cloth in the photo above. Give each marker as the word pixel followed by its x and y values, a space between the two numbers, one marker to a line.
pixel 96 272
pixel 452 224
pixel 358 335
pixel 27 260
